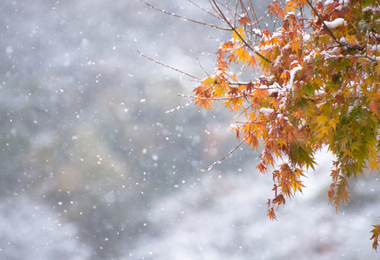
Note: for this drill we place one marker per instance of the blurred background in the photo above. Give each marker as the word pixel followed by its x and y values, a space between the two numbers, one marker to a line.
pixel 91 166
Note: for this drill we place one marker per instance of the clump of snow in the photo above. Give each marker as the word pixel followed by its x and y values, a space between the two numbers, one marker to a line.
pixel 345 3
pixel 287 16
pixel 306 37
pixel 343 40
pixel 336 23
pixel 266 111
pixel 329 2
pixel 233 126
pixel 292 75
pixel 257 32
pixel 374 47
pixel 310 57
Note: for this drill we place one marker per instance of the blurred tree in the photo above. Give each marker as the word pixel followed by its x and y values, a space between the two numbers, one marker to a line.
pixel 318 87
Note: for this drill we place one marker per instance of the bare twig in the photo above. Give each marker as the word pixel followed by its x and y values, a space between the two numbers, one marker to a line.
pixel 185 18
pixel 167 66
pixel 237 33
pixel 200 65
pixel 179 107
pixel 203 9
pixel 324 25
pixel 220 161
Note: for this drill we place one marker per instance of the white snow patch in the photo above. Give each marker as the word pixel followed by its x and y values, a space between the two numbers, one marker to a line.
pixel 336 23
pixel 292 75
pixel 266 111
pixel 345 3
pixel 257 32
pixel 306 37
pixel 310 57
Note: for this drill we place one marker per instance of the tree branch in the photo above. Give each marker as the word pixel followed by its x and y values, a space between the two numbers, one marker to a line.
pixel 186 19
pixel 238 34
pixel 220 161
pixel 167 66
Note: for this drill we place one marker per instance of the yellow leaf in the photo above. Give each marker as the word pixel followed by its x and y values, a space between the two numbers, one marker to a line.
pixel 208 82
pixel 295 46
pixel 297 185
pixel 206 103
pixel 347 152
pixel 252 61
pixel 238 34
pixel 291 4
pixel 321 120
pixel 374 104
pixel 242 55
pixel 302 2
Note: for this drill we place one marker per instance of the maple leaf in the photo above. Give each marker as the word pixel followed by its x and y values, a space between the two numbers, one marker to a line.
pixel 273 9
pixel 331 192
pixel 271 214
pixel 252 141
pixel 279 200
pixel 222 63
pixel 244 21
pixel 302 2
pixel 297 185
pixel 207 104
pixel 374 162
pixel 260 94
pixel 335 174
pixel 238 33
pixel 295 46
pixel 252 61
pixel 242 55
pixel 374 104
pixel 291 5
pixel 237 130
pixel 262 167
pixel 375 236
pixel 231 58
pixel 341 193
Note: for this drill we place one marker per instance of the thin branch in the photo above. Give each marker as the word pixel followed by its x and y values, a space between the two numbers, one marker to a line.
pixel 238 34
pixel 329 56
pixel 244 111
pixel 204 10
pixel 179 107
pixel 187 19
pixel 167 66
pixel 220 161
pixel 324 25
pixel 215 99
pixel 200 65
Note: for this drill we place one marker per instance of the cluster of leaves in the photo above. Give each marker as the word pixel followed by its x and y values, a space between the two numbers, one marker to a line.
pixel 318 86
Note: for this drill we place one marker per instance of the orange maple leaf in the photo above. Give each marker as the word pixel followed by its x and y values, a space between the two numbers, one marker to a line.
pixel 244 21
pixel 295 46
pixel 271 214
pixel 341 194
pixel 302 2
pixel 238 34
pixel 375 236
pixel 335 174
pixel 291 4
pixel 206 103
pixel 252 61
pixel 374 104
